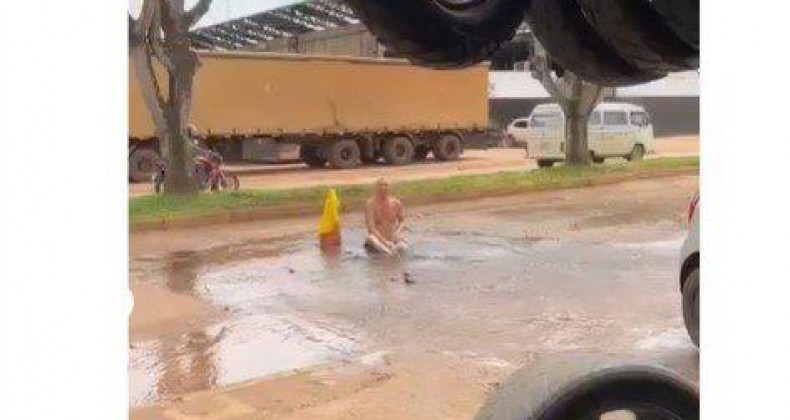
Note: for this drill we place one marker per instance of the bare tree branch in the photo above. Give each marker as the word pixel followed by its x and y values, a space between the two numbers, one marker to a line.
pixel 149 86
pixel 154 80
pixel 155 41
pixel 197 12
pixel 147 15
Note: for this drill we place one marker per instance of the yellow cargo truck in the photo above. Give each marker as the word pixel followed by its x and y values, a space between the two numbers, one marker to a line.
pixel 341 111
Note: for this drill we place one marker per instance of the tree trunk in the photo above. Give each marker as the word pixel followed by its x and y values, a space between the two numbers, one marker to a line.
pixel 577 150
pixel 577 108
pixel 180 163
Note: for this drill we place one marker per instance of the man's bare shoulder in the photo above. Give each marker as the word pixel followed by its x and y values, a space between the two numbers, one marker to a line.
pixel 395 202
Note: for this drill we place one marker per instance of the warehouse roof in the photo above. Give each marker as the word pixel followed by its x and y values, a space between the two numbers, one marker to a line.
pixel 283 22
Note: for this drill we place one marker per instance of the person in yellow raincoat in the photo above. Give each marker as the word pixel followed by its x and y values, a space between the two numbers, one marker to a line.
pixel 329 226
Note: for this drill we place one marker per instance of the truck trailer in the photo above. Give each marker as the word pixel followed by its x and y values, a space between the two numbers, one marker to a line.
pixel 341 111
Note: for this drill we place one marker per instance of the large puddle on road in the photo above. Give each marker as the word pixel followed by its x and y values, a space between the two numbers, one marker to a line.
pixel 289 307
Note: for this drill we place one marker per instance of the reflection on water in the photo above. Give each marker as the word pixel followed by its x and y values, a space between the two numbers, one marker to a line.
pixel 289 307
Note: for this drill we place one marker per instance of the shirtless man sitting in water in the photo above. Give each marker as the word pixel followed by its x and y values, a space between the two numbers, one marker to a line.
pixel 384 217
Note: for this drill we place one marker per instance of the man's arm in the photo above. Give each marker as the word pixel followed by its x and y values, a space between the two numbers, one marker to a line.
pixel 400 218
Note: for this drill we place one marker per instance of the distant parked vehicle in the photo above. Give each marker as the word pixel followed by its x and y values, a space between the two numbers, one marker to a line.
pixel 689 272
pixel 614 130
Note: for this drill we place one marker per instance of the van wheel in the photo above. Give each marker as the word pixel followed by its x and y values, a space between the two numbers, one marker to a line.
pixel 691 305
pixel 441 33
pixel 545 163
pixel 398 150
pixel 447 148
pixel 344 154
pixel 595 159
pixel 638 153
pixel 308 153
pixel 142 164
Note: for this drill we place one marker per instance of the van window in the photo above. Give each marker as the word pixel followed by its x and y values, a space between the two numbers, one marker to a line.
pixel 521 124
pixel 640 119
pixel 545 120
pixel 595 118
pixel 615 118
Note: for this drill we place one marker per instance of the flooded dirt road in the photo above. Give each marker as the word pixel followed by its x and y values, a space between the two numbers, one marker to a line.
pixel 273 329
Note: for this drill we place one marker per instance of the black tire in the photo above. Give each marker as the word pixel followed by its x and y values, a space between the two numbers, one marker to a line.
pixel 682 16
pixel 398 150
pixel 159 183
pixel 448 147
pixel 691 305
pixel 308 153
pixel 580 390
pixel 368 153
pixel 637 153
pixel 344 154
pixel 574 44
pixel 545 163
pixel 142 164
pixel 596 159
pixel 640 34
pixel 441 33
pixel 230 182
pixel 421 153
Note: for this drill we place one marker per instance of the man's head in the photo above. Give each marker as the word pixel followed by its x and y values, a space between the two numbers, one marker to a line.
pixel 382 188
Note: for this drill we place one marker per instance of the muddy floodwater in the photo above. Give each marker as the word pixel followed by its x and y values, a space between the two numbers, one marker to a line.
pixel 284 306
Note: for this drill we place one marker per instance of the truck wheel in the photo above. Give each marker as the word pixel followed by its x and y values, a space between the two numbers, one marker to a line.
pixel 583 389
pixel 421 153
pixel 638 153
pixel 441 33
pixel 398 150
pixel 142 164
pixel 691 305
pixel 447 148
pixel 369 155
pixel 308 153
pixel 545 163
pixel 344 154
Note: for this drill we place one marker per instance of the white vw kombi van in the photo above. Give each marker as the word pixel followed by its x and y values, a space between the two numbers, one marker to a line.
pixel 615 129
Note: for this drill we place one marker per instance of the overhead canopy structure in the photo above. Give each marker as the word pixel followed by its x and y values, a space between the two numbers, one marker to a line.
pixel 284 22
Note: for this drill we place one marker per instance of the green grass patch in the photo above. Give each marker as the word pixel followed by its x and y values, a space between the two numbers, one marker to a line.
pixel 309 200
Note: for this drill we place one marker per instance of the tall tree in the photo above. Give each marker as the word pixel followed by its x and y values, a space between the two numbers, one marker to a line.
pixel 159 39
pixel 577 99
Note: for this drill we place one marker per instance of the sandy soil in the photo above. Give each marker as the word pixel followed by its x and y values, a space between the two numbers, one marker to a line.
pixel 473 162
pixel 416 382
